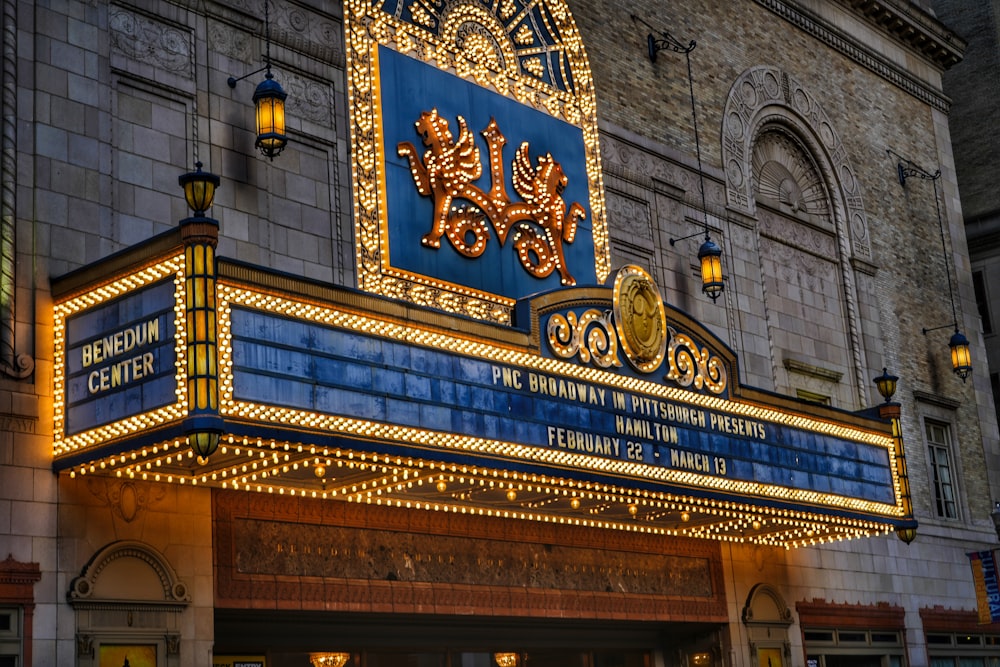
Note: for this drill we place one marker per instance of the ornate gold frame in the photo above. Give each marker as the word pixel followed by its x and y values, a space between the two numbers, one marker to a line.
pixel 506 67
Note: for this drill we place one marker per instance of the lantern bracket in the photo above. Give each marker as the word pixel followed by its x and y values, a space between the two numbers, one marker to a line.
pixel 689 236
pixel 232 81
pixel 950 325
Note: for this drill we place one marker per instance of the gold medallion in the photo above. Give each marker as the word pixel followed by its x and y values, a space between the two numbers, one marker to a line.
pixel 640 319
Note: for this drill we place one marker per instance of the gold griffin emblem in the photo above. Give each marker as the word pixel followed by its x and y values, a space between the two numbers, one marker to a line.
pixel 541 222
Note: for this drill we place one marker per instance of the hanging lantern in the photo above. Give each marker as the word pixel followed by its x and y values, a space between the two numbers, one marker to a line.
pixel 711 268
pixel 961 358
pixel 269 98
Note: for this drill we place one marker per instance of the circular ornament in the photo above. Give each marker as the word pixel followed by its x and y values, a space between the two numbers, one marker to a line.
pixel 640 318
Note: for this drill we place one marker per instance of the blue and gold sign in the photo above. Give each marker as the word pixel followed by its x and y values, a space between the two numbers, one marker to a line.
pixel 117 359
pixel 477 173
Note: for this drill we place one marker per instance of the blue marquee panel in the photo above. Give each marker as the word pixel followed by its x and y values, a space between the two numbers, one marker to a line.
pixel 289 363
pixel 409 88
pixel 120 358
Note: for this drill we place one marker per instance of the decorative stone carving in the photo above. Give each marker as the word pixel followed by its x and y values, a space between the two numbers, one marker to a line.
pixel 233 43
pixel 765 605
pixel 308 98
pixel 142 39
pixel 784 175
pixel 85 646
pixel 632 217
pixel 800 236
pixel 173 590
pixel 297 28
pixel 125 498
pixel 765 100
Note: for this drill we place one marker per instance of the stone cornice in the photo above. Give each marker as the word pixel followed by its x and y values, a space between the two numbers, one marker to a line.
pixel 907 25
pixel 913 27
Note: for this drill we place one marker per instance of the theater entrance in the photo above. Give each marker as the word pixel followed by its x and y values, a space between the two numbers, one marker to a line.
pixel 306 639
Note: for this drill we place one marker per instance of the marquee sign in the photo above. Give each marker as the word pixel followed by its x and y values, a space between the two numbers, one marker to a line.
pixel 477 174
pixel 611 408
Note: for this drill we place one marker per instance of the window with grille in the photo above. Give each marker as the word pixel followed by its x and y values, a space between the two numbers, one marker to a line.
pixel 942 469
pixel 853 648
pixel 949 649
pixel 10 637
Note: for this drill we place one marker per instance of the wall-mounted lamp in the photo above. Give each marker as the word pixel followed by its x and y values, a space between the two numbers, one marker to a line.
pixel 995 515
pixel 200 235
pixel 961 357
pixel 709 254
pixel 269 101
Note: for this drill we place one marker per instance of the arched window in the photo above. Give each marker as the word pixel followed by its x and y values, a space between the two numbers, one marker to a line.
pixel 787 170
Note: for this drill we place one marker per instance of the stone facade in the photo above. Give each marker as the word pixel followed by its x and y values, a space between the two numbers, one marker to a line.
pixel 972 84
pixel 803 111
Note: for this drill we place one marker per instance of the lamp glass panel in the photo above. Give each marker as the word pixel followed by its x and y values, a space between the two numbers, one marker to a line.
pixel 961 358
pixel 199 194
pixel 203 443
pixel 270 122
pixel 711 275
pixel 711 269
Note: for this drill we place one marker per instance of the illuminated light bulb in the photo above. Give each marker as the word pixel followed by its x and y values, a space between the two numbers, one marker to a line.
pixel 685 517
pixel 442 486
pixel 633 509
pixel 511 495
pixel 319 471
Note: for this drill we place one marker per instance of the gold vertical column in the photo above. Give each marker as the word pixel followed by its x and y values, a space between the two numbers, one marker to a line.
pixel 200 234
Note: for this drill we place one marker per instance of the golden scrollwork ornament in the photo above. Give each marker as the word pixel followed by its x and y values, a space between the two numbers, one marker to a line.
pixel 694 366
pixel 590 335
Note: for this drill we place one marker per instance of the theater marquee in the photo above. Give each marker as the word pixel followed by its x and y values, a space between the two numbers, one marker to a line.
pixel 607 408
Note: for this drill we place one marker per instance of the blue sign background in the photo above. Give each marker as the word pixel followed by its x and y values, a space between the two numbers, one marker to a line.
pixel 284 362
pixel 84 410
pixel 409 88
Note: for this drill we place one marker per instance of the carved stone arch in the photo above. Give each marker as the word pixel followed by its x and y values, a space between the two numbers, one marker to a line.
pixel 129 571
pixel 765 97
pixel 766 100
pixel 767 618
pixel 786 176
pixel 128 594
pixel 766 605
